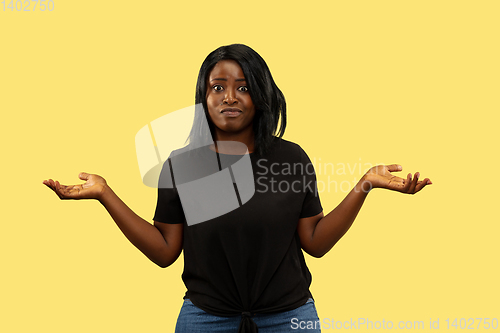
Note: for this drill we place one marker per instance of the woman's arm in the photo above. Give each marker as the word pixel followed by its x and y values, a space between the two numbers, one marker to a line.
pixel 161 242
pixel 318 234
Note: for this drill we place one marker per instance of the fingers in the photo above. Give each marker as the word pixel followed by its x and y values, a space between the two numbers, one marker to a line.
pixel 62 191
pixel 413 184
pixel 394 167
pixel 84 176
pixel 421 185
pixel 407 184
pixel 410 185
pixel 54 186
pixel 67 192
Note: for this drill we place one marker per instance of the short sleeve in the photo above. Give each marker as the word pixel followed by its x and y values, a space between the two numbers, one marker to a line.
pixel 168 207
pixel 311 205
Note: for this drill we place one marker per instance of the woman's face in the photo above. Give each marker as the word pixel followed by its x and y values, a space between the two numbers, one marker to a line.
pixel 229 104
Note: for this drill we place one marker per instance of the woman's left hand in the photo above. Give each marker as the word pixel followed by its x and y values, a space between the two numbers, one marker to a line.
pixel 380 176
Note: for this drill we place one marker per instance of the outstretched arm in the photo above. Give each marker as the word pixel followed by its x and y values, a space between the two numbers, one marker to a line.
pixel 161 242
pixel 318 234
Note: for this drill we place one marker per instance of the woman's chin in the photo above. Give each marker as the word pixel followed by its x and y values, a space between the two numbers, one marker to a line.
pixel 230 129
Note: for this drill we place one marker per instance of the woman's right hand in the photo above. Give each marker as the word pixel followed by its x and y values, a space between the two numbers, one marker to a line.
pixel 93 188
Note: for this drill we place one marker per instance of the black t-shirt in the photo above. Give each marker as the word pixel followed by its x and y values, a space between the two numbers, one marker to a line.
pixel 250 259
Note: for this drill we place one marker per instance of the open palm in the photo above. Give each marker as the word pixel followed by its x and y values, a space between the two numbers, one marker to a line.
pixel 381 176
pixel 92 188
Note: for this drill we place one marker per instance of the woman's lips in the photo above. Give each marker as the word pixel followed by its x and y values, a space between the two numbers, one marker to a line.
pixel 231 112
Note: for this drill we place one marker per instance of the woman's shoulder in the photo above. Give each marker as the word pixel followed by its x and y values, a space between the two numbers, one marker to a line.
pixel 286 144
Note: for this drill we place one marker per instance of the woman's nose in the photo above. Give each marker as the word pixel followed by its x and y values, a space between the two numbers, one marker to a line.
pixel 230 97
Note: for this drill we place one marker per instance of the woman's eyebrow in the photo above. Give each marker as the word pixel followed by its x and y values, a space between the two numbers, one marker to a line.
pixel 222 79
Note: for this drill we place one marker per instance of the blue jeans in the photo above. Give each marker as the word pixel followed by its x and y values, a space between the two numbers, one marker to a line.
pixel 194 320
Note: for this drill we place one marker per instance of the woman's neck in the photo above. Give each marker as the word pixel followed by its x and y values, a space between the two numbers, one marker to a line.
pixel 247 138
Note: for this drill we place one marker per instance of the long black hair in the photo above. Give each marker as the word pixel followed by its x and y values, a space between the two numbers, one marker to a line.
pixel 268 99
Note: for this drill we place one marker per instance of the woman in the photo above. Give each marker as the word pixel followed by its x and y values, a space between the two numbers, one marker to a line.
pixel 244 270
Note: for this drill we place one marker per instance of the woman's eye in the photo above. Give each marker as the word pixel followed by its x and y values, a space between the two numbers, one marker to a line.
pixel 217 87
pixel 243 88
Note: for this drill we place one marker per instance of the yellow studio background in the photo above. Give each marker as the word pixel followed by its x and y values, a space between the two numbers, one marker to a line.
pixel 366 82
